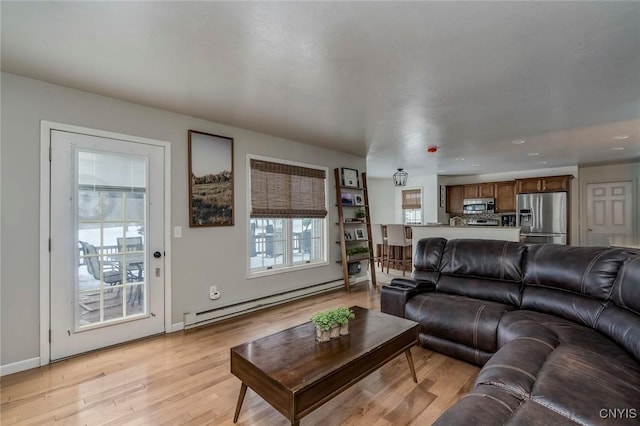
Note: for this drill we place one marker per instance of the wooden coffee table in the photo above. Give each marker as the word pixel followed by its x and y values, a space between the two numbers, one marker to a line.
pixel 296 374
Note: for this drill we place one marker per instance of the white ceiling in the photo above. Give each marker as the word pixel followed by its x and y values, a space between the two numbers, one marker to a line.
pixel 381 79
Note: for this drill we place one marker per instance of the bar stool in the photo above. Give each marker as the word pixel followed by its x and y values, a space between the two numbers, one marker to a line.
pixel 379 244
pixel 399 246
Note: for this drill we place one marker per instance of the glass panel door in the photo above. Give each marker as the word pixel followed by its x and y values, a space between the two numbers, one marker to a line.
pixel 105 286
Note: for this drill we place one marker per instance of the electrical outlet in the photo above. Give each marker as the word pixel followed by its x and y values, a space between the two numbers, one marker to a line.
pixel 214 294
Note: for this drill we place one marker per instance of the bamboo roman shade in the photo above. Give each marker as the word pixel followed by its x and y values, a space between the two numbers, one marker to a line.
pixel 286 191
pixel 411 199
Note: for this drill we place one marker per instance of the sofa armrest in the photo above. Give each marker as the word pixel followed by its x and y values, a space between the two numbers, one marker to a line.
pixel 394 297
pixel 411 283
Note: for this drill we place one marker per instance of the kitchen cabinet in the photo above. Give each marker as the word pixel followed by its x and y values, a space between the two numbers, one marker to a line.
pixel 504 192
pixel 544 184
pixel 470 191
pixel 505 197
pixel 479 190
pixel 455 197
pixel 486 190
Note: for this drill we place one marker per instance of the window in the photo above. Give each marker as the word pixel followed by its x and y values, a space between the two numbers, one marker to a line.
pixel 412 206
pixel 287 223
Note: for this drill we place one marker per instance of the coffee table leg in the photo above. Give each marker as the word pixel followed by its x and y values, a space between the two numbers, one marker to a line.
pixel 243 391
pixel 410 361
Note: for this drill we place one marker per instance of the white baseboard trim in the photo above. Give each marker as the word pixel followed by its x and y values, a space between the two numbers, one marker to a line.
pixel 179 326
pixel 362 278
pixel 19 366
pixel 207 317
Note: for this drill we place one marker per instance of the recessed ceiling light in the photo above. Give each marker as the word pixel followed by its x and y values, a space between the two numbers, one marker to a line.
pixel 617 148
pixel 476 165
pixel 441 170
pixel 542 162
pixel 460 158
pixel 621 137
pixel 518 142
pixel 533 154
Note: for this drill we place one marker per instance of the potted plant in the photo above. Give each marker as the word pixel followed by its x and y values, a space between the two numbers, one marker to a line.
pixel 342 316
pixel 353 251
pixel 361 214
pixel 332 323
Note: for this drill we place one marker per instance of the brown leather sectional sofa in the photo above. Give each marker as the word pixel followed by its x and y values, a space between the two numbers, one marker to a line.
pixel 556 328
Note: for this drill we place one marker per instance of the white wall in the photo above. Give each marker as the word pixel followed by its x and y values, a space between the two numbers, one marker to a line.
pixel 386 199
pixel 202 257
pixel 381 200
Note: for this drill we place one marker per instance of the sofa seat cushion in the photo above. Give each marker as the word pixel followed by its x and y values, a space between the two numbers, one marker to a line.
pixel 485 405
pixel 530 413
pixel 489 405
pixel 516 365
pixel 563 373
pixel 471 322
pixel 580 383
pixel 454 349
pixel 552 330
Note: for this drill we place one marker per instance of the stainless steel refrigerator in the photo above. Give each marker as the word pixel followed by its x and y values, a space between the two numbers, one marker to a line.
pixel 542 217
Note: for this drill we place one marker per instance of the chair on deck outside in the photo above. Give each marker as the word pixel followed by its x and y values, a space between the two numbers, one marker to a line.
pixel 130 244
pixel 111 273
pixel 399 248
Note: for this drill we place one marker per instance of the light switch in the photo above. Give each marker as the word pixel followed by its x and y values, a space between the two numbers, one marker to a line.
pixel 177 232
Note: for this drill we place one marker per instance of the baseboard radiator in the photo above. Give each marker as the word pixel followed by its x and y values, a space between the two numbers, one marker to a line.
pixel 209 316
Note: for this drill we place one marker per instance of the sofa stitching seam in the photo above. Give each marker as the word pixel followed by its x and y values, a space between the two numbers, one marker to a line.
pixel 511 367
pixel 549 345
pixel 587 271
pixel 600 311
pixel 476 323
pixel 549 407
pixel 486 395
pixel 513 392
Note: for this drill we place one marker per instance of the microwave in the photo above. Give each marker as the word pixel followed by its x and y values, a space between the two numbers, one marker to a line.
pixel 479 205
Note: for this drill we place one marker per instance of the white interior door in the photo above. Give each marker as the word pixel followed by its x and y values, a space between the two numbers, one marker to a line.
pixel 609 212
pixel 107 237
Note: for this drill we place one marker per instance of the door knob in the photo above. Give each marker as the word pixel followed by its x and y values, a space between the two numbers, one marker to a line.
pixel 157 255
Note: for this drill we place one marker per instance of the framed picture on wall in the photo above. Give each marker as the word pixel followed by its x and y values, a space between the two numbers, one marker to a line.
pixel 360 234
pixel 358 200
pixel 347 198
pixel 350 177
pixel 210 180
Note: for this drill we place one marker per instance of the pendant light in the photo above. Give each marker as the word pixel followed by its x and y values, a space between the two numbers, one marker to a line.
pixel 400 178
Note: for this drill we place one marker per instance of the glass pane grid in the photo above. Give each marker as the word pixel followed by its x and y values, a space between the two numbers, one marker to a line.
pixel 282 243
pixel 110 285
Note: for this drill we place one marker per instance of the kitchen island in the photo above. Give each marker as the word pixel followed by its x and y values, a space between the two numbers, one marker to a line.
pixel 506 233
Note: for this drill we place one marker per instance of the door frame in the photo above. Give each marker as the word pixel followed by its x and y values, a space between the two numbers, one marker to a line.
pixel 635 206
pixel 45 225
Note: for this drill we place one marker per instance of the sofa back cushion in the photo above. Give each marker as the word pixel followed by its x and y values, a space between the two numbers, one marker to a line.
pixel 426 260
pixel 570 282
pixel 484 269
pixel 620 320
pixel 626 290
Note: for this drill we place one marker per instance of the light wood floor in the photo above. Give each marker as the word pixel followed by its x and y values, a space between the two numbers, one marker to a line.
pixel 183 379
